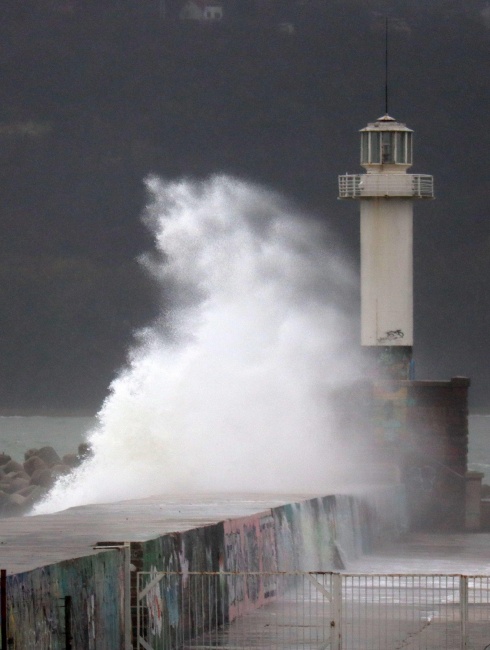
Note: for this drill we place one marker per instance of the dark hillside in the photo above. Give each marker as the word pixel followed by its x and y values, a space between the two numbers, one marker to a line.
pixel 96 95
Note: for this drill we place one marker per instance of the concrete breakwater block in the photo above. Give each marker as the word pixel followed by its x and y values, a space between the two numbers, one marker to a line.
pixel 22 485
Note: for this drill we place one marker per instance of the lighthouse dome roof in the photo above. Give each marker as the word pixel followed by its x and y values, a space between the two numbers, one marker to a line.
pixel 386 123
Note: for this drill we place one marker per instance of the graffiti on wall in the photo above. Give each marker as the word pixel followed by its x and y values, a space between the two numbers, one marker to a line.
pixel 285 539
pixel 269 555
pixel 36 604
pixel 390 413
pixel 252 560
pixel 235 563
pixel 154 604
pixel 250 546
pixel 91 621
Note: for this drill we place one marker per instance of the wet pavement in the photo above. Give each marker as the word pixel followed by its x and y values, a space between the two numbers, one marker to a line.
pixel 445 553
pixel 367 611
pixel 410 595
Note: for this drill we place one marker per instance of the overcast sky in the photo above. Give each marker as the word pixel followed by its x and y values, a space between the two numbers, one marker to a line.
pixel 95 96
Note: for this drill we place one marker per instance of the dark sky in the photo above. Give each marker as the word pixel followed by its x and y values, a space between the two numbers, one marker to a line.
pixel 96 95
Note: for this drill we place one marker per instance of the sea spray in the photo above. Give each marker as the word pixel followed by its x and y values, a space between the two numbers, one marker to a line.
pixel 231 389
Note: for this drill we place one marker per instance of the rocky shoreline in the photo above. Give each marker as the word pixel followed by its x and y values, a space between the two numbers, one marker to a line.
pixel 22 485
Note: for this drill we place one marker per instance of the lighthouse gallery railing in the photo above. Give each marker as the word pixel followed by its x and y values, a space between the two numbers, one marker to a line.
pixel 356 186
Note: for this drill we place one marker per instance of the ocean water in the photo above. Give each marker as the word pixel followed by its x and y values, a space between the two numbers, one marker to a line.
pixel 17 434
pixel 479 445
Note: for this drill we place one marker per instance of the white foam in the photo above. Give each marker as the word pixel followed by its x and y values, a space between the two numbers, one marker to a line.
pixel 230 390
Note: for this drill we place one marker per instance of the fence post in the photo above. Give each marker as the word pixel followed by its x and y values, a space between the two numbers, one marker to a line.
pixel 463 606
pixel 336 622
pixel 68 636
pixel 127 596
pixel 3 607
pixel 138 612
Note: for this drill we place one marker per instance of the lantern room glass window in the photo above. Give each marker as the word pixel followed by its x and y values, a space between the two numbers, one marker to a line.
pixel 408 148
pixel 364 147
pixel 375 147
pixel 386 147
pixel 400 148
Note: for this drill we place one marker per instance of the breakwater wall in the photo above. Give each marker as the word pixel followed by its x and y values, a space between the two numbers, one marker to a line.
pixel 81 599
pixel 88 602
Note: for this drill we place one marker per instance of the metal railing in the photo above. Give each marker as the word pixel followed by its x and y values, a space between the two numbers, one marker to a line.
pixel 427 612
pixel 356 186
pixel 3 609
pixel 312 611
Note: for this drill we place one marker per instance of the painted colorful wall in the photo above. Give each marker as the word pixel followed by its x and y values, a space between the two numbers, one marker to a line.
pixel 249 545
pixel 37 600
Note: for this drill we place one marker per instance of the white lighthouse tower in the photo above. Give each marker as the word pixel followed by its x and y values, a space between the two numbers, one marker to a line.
pixel 386 193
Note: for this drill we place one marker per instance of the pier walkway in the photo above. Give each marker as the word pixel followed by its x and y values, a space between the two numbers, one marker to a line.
pixel 27 543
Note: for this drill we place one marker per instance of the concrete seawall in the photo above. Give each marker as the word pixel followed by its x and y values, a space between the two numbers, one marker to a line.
pixel 55 557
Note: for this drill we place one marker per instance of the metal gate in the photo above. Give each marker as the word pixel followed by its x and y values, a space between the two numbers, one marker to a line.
pixel 312 611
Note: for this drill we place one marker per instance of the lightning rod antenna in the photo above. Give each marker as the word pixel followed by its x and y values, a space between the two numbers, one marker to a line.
pixel 386 65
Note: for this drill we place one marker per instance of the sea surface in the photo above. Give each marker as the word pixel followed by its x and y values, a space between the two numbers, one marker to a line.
pixel 479 445
pixel 18 434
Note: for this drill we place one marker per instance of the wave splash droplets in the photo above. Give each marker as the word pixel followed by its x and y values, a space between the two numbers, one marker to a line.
pixel 231 390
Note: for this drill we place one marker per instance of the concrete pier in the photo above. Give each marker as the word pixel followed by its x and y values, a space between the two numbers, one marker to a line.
pixel 54 564
pixel 27 543
pixel 52 558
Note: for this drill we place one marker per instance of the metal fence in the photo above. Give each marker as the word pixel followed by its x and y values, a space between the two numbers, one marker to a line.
pixel 3 609
pixel 307 611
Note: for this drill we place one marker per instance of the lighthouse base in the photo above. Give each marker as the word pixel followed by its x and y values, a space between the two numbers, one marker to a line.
pixel 416 431
pixel 389 362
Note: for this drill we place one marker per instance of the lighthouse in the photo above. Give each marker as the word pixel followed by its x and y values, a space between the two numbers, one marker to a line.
pixel 417 430
pixel 386 193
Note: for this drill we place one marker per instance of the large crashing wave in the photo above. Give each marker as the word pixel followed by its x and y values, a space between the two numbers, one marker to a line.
pixel 231 389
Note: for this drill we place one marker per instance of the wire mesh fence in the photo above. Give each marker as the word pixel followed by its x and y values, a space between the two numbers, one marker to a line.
pixel 307 611
pixel 401 611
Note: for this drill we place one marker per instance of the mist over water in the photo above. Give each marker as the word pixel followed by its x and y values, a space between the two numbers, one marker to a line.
pixel 232 389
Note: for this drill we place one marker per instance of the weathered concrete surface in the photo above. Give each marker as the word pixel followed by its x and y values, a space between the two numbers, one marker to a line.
pixel 30 542
pixel 434 553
